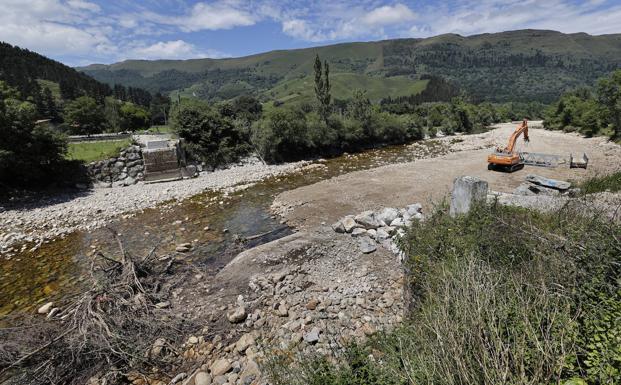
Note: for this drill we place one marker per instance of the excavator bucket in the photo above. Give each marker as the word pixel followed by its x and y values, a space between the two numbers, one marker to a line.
pixel 580 162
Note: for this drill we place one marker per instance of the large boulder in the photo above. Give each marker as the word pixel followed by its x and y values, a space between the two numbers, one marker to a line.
pixel 349 224
pixel 467 191
pixel 387 215
pixel 367 220
pixel 367 245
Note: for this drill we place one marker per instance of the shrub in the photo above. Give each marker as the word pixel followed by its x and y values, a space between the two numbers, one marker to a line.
pixel 282 135
pixel 208 135
pixel 499 296
pixel 30 156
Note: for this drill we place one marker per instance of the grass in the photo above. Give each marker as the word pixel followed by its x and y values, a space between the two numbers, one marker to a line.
pixel 343 86
pixel 499 296
pixel 611 182
pixel 93 151
pixel 163 129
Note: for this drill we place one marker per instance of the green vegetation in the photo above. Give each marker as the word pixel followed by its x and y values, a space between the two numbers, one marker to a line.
pixel 300 90
pixel 590 114
pixel 96 150
pixel 75 102
pixel 210 135
pixel 29 154
pixel 500 296
pixel 526 66
pixel 611 182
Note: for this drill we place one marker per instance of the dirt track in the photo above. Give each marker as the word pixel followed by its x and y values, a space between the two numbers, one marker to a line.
pixel 429 180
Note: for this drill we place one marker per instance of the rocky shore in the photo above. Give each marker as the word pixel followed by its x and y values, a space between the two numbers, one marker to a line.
pixel 33 223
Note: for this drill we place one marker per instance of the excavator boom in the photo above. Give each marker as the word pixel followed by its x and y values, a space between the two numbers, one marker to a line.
pixel 506 158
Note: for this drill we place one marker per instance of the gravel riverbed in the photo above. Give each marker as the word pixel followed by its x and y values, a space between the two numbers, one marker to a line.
pixel 47 218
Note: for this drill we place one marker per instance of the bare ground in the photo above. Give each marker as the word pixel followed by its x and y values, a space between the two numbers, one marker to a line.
pixel 429 180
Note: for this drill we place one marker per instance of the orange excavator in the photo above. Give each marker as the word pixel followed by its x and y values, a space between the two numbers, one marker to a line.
pixel 507 159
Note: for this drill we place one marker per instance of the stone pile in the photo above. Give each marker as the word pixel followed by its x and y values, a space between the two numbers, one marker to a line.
pixel 334 295
pixel 125 170
pixel 379 227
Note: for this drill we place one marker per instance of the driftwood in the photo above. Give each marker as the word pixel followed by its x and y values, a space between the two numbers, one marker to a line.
pixel 101 332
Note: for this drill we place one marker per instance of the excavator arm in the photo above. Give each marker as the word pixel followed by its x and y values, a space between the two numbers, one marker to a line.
pixel 521 130
pixel 506 158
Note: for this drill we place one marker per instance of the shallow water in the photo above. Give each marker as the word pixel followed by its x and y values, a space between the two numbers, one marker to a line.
pixel 56 268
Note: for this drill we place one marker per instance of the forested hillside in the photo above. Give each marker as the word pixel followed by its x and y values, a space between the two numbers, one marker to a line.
pixel 525 65
pixel 49 84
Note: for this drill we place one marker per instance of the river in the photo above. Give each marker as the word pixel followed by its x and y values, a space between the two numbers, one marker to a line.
pixel 211 221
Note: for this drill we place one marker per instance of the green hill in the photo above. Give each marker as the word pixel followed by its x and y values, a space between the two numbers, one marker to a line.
pixel 525 65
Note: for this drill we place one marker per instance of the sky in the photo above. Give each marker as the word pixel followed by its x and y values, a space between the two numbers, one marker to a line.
pixel 81 32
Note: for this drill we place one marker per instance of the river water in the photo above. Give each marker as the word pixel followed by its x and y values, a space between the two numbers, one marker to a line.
pixel 212 221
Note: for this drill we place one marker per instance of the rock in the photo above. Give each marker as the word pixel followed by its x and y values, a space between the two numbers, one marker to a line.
pixel 358 232
pixel 162 305
pixel 202 378
pixel 45 308
pixel 312 337
pixel 372 233
pixel 338 227
pixel 312 304
pixel 399 222
pixel 236 316
pixel 467 190
pixel 283 310
pixel 349 224
pixel 533 189
pixel 367 220
pixel 382 234
pixel 183 248
pixel 157 347
pixel 250 373
pixel 367 245
pixel 414 209
pixel 219 367
pixel 388 215
pixel 547 182
pixel 244 342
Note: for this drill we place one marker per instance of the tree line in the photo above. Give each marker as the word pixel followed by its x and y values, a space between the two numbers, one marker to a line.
pixel 214 133
pixel 589 111
pixel 82 103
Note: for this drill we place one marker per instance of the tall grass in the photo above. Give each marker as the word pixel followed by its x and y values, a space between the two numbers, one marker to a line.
pixel 499 296
pixel 610 182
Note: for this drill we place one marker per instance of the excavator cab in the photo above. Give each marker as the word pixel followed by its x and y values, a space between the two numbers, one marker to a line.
pixel 507 159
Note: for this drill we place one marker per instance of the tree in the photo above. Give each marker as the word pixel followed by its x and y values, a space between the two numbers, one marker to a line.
pixel 609 95
pixel 133 117
pixel 282 135
pixel 84 116
pixel 28 154
pixel 322 88
pixel 111 114
pixel 208 135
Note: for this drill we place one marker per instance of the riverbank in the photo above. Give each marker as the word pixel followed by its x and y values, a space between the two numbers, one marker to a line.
pixel 32 223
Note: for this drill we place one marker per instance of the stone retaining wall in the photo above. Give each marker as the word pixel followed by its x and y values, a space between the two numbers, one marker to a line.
pixel 124 170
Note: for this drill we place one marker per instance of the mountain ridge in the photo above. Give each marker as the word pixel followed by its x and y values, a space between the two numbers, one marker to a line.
pixel 535 64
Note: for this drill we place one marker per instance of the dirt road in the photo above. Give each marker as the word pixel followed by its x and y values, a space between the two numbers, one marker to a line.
pixel 429 180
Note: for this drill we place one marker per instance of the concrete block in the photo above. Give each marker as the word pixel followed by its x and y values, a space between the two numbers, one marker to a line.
pixel 467 190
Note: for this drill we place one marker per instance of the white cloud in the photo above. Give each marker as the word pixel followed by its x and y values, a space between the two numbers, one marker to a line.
pixel 473 17
pixel 300 29
pixel 387 15
pixel 341 20
pixel 85 5
pixel 204 16
pixel 175 49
